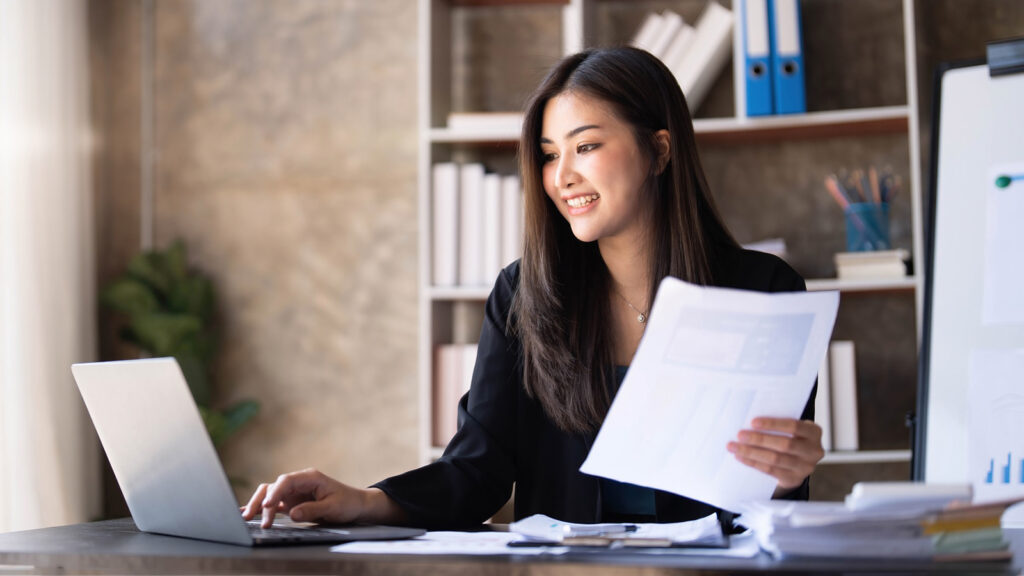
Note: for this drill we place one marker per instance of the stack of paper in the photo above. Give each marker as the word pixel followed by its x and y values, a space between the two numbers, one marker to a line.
pixel 871 264
pixel 921 523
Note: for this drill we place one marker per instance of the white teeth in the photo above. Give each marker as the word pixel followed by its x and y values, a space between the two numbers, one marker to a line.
pixel 581 201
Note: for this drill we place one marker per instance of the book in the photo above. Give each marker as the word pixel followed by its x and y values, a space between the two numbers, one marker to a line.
pixel 871 264
pixel 649 30
pixel 444 222
pixel 823 405
pixel 708 54
pixel 511 219
pixel 492 227
pixel 671 24
pixel 453 375
pixel 676 51
pixel 471 230
pixel 843 362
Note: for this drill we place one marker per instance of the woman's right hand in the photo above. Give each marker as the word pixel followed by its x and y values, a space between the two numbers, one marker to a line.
pixel 312 496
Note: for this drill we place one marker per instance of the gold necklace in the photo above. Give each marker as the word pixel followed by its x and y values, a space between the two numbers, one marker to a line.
pixel 641 316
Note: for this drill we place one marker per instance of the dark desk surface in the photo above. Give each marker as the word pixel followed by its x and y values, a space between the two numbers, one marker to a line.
pixel 116 546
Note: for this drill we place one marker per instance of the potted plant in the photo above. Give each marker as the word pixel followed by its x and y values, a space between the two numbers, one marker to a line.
pixel 168 310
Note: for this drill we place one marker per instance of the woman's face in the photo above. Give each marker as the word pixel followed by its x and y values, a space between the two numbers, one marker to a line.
pixel 593 169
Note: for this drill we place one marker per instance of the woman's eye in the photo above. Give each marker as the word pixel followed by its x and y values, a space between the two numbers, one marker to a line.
pixel 550 156
pixel 586 148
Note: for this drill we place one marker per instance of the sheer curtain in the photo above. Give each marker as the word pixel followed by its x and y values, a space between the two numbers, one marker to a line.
pixel 49 461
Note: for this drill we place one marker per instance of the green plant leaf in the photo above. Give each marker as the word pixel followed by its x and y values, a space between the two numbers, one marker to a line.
pixel 148 268
pixel 193 295
pixel 162 333
pixel 129 296
pixel 239 413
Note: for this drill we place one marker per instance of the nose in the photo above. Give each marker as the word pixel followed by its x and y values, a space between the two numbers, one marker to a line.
pixel 565 172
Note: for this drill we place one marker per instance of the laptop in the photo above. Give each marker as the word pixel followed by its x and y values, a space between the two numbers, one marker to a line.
pixel 165 463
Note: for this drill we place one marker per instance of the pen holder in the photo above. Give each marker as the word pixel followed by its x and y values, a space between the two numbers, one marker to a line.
pixel 867 227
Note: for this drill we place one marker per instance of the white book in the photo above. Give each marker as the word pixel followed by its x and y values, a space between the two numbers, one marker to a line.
pixel 843 362
pixel 670 25
pixel 467 353
pixel 492 226
pixel 648 31
pixel 512 219
pixel 707 55
pixel 471 230
pixel 675 53
pixel 445 224
pixel 871 264
pixel 447 381
pixel 823 405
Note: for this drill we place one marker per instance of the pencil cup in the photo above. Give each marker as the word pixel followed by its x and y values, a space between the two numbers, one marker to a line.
pixel 867 227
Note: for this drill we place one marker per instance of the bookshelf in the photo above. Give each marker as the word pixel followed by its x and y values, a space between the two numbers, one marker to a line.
pixel 564 27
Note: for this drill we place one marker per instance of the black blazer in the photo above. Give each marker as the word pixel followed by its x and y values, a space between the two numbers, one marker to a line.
pixel 504 437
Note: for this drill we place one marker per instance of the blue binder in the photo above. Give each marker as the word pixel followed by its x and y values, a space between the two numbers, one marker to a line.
pixel 757 57
pixel 787 57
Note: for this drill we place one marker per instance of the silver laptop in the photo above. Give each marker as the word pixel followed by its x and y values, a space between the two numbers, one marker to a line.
pixel 166 465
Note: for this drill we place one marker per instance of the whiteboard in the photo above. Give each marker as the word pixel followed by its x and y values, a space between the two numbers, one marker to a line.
pixel 972 300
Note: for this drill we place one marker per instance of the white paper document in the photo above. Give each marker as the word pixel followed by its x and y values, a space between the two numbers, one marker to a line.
pixel 1004 236
pixel 473 543
pixel 541 527
pixel 710 361
pixel 995 425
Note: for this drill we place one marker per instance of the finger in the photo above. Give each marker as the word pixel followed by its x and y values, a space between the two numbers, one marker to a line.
pixel 268 516
pixel 786 478
pixel 311 511
pixel 293 487
pixel 803 448
pixel 249 511
pixel 791 426
pixel 769 458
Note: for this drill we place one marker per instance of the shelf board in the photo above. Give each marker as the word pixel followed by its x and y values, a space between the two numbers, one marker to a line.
pixel 831 124
pixel 459 292
pixel 861 121
pixel 907 283
pixel 866 457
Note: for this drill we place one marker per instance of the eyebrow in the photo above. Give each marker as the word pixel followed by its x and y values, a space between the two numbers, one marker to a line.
pixel 571 133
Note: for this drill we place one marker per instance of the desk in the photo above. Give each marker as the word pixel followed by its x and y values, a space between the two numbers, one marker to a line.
pixel 116 546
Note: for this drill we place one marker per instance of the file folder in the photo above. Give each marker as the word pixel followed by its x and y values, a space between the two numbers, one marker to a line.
pixel 787 57
pixel 757 77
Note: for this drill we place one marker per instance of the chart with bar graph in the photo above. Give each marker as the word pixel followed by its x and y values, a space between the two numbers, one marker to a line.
pixel 996 425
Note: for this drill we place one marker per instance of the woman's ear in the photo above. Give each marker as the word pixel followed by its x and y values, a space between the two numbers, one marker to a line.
pixel 662 142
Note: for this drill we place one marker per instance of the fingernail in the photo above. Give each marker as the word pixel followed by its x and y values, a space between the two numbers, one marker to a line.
pixel 731 446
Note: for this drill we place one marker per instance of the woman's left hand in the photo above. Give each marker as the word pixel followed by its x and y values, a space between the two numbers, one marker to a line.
pixel 785 448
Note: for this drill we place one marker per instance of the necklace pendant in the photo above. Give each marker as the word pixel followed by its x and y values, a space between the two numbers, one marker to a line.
pixel 641 318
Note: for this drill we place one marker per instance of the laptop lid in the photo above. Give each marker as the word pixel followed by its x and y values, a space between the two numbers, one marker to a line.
pixel 159 449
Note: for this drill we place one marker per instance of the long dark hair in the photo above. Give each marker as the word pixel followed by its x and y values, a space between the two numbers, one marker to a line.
pixel 562 304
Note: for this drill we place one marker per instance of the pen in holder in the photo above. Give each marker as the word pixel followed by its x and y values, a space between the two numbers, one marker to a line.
pixel 867 226
pixel 865 204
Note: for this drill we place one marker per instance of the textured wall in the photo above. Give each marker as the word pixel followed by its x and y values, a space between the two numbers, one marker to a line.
pixel 286 143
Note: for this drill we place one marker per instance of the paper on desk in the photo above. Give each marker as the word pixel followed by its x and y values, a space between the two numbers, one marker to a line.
pixel 710 361
pixel 541 527
pixel 432 543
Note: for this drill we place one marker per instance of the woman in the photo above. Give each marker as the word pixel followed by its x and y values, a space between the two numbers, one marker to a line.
pixel 615 201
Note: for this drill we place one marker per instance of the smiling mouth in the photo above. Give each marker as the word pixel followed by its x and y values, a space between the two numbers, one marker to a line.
pixel 581 201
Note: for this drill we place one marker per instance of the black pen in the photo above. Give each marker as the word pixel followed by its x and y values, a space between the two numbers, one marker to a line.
pixel 598 530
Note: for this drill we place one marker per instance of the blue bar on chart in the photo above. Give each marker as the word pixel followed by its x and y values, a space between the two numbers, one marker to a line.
pixel 1006 470
pixel 991 469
